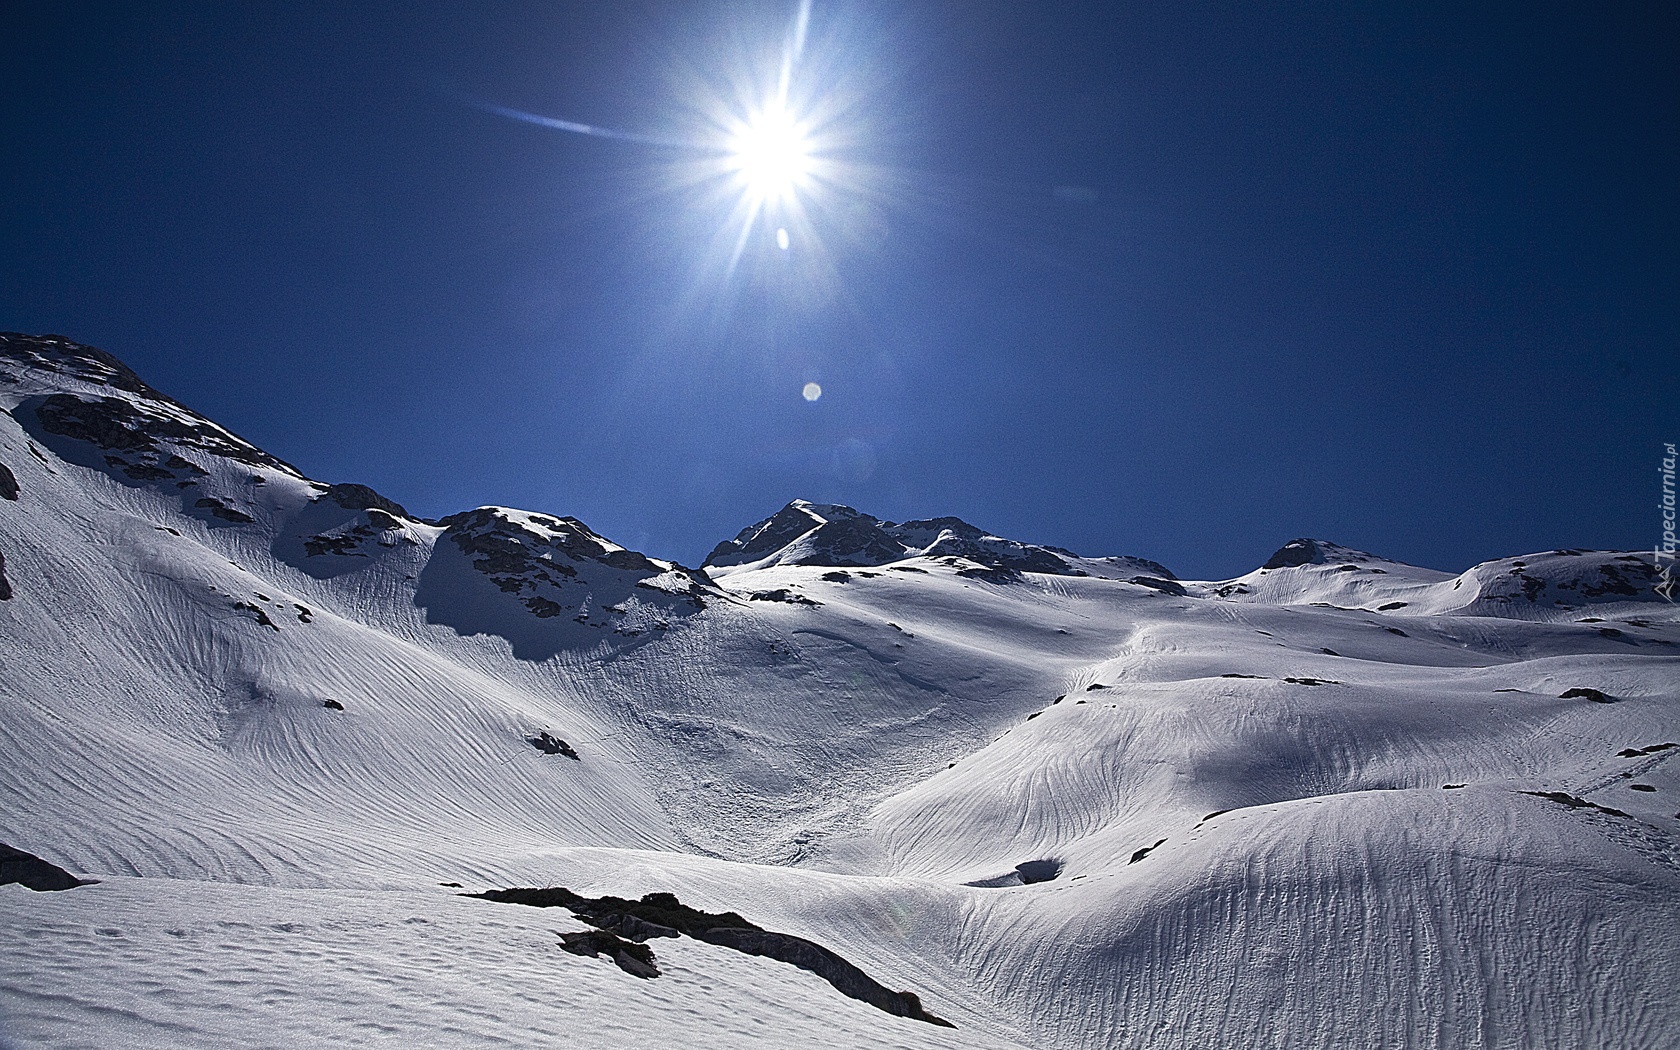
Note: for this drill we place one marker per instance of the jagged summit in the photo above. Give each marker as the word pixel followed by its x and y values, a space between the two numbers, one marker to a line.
pixel 805 533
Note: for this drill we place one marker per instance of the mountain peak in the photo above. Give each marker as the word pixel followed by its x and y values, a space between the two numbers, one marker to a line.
pixel 806 533
pixel 64 356
pixel 1309 551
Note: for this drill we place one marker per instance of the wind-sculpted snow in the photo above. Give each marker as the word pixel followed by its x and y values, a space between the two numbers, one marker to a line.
pixel 1337 801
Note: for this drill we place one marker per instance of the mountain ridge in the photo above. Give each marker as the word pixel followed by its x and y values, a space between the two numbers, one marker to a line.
pixel 1337 800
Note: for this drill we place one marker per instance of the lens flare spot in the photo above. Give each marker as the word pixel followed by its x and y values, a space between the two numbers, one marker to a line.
pixel 782 238
pixel 812 391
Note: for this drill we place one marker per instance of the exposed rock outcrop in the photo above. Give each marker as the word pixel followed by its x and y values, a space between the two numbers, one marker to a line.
pixel 663 915
pixel 809 955
pixel 803 533
pixel 1566 578
pixel 55 353
pixel 140 439
pixel 33 872
pixel 556 565
pixel 637 960
pixel 1308 551
pixel 360 497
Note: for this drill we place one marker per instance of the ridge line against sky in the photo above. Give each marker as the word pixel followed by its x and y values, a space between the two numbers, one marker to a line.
pixel 1180 284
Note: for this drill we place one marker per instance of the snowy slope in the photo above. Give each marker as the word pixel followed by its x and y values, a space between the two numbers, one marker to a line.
pixel 1070 802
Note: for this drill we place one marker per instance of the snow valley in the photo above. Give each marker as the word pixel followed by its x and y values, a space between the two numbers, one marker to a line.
pixel 286 765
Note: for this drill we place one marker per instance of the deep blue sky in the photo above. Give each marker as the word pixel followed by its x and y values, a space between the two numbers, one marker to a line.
pixel 1181 280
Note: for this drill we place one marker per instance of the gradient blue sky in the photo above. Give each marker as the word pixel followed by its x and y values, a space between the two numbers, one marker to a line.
pixel 1181 280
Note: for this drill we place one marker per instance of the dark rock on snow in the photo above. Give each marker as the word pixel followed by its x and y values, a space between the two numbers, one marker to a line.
pixel 373 530
pixel 134 433
pixel 360 497
pixel 1296 552
pixel 552 745
pixel 662 909
pixel 1574 802
pixel 636 960
pixel 1033 871
pixel 221 510
pixel 33 872
pixel 808 955
pixel 633 927
pixel 803 533
pixel 516 556
pixel 55 353
pixel 1172 587
pixel 1146 851
pixel 663 912
pixel 782 594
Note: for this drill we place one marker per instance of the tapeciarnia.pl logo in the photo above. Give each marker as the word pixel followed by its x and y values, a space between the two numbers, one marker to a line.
pixel 1664 552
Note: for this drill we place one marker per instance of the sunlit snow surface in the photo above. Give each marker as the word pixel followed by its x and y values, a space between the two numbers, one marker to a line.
pixel 842 771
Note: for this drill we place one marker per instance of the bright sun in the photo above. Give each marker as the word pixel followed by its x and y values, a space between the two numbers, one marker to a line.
pixel 771 154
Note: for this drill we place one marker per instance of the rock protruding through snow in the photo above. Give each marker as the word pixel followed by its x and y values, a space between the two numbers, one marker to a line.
pixel 549 584
pixel 826 534
pixel 29 870
pixel 663 915
pixel 637 960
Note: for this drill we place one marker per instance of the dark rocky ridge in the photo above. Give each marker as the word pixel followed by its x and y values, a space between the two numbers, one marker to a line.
pixel 141 438
pixel 55 353
pixel 5 584
pixel 540 560
pixel 1308 551
pixel 352 538
pixel 663 915
pixel 360 497
pixel 547 584
pixel 804 533
pixel 130 431
pixel 135 438
pixel 8 483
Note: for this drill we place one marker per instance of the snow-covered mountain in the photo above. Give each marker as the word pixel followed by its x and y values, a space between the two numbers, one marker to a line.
pixel 803 533
pixel 1063 801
